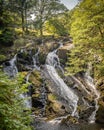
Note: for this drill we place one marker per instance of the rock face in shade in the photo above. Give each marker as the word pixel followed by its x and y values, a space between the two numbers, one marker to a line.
pixel 100 112
pixel 62 52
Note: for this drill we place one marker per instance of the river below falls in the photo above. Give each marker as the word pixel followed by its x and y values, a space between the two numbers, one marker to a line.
pixel 42 125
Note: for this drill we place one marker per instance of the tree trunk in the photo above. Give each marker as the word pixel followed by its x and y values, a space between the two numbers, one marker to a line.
pixel 41 31
pixel 26 22
pixel 41 28
pixel 101 33
pixel 22 16
pixel 41 34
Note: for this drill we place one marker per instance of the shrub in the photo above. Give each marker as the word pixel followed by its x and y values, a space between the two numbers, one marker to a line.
pixel 12 114
pixel 6 37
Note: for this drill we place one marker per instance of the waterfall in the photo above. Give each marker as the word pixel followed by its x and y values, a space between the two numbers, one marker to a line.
pixel 10 67
pixel 11 70
pixel 27 95
pixel 80 84
pixel 36 60
pixel 63 90
pixel 90 83
pixel 43 97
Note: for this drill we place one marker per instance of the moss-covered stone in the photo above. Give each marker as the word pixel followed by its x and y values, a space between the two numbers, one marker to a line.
pixel 35 78
pixel 69 120
pixel 62 52
pixel 2 58
pixel 100 112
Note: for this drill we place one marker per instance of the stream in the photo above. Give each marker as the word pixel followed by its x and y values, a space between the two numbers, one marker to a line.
pixel 41 125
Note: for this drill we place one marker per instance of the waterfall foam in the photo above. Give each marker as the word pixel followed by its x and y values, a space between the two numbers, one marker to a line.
pixel 10 67
pixel 62 89
pixel 11 70
pixel 36 60
pixel 90 83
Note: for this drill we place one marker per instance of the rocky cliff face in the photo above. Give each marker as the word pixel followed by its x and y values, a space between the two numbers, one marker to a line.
pixel 100 112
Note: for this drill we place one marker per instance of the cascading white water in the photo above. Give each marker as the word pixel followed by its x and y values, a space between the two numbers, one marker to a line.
pixel 80 84
pixel 11 70
pixel 35 60
pixel 90 83
pixel 63 90
pixel 10 67
pixel 26 96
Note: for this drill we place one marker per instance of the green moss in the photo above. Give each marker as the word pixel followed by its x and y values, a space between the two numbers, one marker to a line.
pixel 35 78
pixel 70 120
pixel 36 95
pixel 7 37
pixel 52 97
pixel 19 42
pixel 100 114
pixel 2 57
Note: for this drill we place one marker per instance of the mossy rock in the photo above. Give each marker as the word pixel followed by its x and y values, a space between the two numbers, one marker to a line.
pixel 35 78
pixel 54 108
pixel 36 95
pixel 69 120
pixel 52 97
pixel 42 57
pixel 2 58
pixel 19 42
pixel 100 112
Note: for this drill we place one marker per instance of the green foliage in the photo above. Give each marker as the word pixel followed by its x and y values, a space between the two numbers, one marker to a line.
pixel 44 10
pixel 87 31
pixel 57 26
pixel 6 38
pixel 2 57
pixel 12 116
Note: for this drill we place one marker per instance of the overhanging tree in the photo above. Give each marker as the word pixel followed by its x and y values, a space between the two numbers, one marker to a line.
pixel 87 30
pixel 59 25
pixel 22 7
pixel 45 9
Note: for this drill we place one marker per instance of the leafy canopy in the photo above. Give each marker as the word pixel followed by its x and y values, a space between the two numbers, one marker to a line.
pixel 12 115
pixel 87 31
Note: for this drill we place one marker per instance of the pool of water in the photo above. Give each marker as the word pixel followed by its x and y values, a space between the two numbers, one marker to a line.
pixel 49 126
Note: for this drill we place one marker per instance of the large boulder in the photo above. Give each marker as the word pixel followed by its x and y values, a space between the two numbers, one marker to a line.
pixel 62 52
pixel 100 112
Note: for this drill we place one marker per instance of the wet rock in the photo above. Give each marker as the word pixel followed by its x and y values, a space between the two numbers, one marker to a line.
pixel 35 78
pixel 7 63
pixel 62 52
pixel 100 112
pixel 25 60
pixel 69 120
pixel 36 103
pixel 85 114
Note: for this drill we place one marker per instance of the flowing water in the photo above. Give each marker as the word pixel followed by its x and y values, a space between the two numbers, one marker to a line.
pixel 36 60
pixel 67 94
pixel 94 91
pixel 11 70
pixel 10 67
pixel 49 126
pixel 27 96
pixel 62 89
